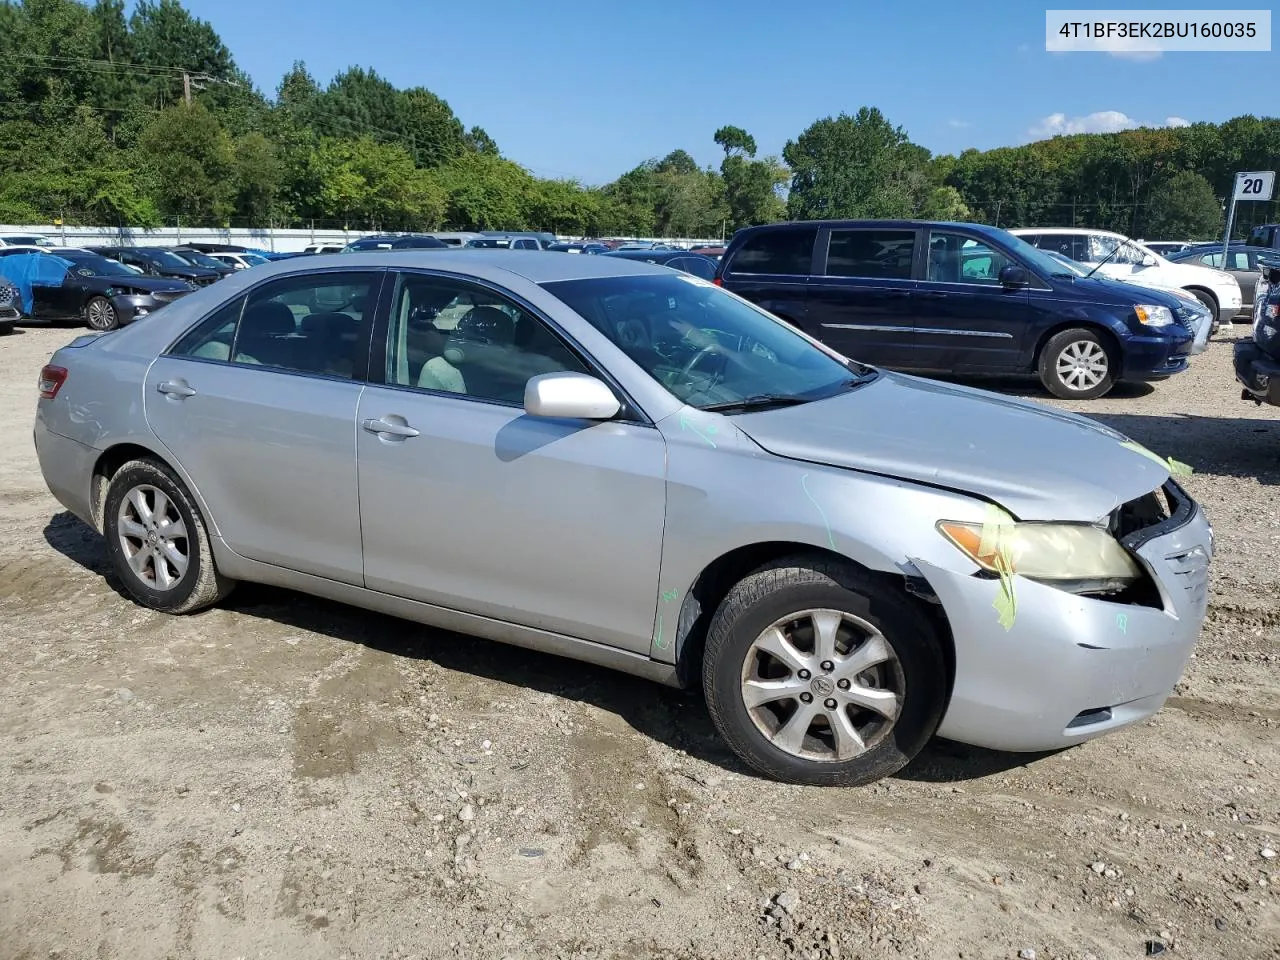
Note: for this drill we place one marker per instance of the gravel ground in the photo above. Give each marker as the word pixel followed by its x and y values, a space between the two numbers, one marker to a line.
pixel 288 778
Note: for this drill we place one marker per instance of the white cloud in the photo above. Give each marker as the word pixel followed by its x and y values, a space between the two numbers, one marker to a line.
pixel 1103 121
pixel 959 124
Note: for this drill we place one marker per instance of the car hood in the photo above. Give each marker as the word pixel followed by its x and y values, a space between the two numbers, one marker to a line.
pixel 1037 462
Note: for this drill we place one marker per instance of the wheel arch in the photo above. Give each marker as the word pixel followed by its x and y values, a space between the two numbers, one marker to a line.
pixel 1110 342
pixel 1195 288
pixel 718 577
pixel 116 456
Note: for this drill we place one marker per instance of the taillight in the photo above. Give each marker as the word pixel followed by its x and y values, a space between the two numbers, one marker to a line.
pixel 51 380
pixel 718 282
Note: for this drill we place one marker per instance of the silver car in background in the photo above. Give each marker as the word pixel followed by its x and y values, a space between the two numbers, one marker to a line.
pixel 628 465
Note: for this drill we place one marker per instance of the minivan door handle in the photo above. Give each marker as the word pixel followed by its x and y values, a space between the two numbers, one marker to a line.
pixel 930 295
pixel 390 428
pixel 176 388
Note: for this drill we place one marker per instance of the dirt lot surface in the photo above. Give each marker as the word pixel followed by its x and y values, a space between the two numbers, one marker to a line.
pixel 288 778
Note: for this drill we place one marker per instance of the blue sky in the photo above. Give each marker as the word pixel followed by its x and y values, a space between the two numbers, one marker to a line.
pixel 589 90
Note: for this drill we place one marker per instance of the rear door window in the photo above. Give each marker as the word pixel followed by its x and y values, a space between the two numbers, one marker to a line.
pixel 878 254
pixel 776 251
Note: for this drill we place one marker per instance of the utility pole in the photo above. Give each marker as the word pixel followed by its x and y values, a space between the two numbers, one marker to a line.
pixel 186 87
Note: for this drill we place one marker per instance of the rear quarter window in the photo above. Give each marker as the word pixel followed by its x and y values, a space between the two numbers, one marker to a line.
pixel 776 251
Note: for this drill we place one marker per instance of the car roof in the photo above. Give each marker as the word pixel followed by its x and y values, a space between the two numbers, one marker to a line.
pixel 487 264
pixel 1069 230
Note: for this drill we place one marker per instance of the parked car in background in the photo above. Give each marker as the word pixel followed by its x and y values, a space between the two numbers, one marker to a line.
pixel 323 248
pixel 495 242
pixel 456 238
pixel 400 241
pixel 689 262
pixel 844 560
pixel 579 246
pixel 643 245
pixel 25 240
pixel 77 285
pixel 1257 360
pixel 1203 324
pixel 10 306
pixel 714 252
pixel 158 262
pixel 543 237
pixel 1166 247
pixel 957 298
pixel 1241 263
pixel 240 261
pixel 207 260
pixel 1116 256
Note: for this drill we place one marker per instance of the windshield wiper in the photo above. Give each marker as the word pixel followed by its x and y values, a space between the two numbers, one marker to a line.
pixel 759 401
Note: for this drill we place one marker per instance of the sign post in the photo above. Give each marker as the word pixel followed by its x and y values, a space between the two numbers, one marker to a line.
pixel 1253 185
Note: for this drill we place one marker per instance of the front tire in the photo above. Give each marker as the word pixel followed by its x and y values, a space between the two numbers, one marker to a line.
pixel 100 314
pixel 1209 300
pixel 1076 365
pixel 815 673
pixel 157 540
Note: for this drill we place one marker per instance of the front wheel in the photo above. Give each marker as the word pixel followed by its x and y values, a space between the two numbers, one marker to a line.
pixel 1209 300
pixel 1075 365
pixel 815 673
pixel 100 314
pixel 157 540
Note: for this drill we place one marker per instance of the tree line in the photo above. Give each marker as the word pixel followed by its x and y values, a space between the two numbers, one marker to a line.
pixel 146 119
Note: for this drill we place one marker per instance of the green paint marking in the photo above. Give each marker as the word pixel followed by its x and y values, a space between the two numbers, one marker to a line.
pixel 995 544
pixel 1175 467
pixel 687 424
pixel 831 541
pixel 658 640
pixel 670 595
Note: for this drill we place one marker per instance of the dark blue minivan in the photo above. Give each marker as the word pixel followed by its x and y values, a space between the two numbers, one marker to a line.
pixel 958 298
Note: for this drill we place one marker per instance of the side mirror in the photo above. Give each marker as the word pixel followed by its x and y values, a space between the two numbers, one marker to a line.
pixel 1012 275
pixel 569 396
pixel 1148 260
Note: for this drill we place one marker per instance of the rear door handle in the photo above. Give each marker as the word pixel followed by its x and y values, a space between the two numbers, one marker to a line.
pixel 176 388
pixel 390 428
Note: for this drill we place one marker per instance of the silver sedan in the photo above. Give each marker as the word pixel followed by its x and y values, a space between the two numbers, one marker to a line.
pixel 624 464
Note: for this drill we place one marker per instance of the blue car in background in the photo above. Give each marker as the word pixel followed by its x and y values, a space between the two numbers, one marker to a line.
pixel 958 298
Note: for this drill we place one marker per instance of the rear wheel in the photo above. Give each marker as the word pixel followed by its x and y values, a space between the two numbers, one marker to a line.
pixel 816 673
pixel 1075 365
pixel 157 540
pixel 100 314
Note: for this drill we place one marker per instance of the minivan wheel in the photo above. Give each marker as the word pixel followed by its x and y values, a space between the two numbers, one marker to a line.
pixel 100 314
pixel 157 540
pixel 1075 365
pixel 815 673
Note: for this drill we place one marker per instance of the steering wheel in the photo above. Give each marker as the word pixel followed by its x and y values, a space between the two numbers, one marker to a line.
pixel 711 379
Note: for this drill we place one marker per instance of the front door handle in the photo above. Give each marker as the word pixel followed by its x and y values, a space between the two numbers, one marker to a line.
pixel 390 428
pixel 176 388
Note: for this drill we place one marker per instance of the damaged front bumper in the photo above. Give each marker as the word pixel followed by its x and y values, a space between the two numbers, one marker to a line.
pixel 1258 373
pixel 1072 667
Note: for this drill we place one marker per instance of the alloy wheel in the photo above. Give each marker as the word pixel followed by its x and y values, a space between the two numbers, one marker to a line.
pixel 823 685
pixel 153 537
pixel 1082 365
pixel 101 314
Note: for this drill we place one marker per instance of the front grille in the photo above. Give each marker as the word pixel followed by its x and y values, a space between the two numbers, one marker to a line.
pixel 165 296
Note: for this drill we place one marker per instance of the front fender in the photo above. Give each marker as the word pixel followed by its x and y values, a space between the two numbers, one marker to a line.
pixel 724 492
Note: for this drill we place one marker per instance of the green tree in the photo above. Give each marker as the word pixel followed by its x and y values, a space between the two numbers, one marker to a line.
pixel 192 162
pixel 859 166
pixel 486 192
pixel 735 140
pixel 1184 205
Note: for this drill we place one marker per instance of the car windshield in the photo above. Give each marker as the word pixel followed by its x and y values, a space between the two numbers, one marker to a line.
pixel 25 240
pixel 200 259
pixel 96 266
pixel 709 348
pixel 253 259
pixel 166 257
pixel 1066 262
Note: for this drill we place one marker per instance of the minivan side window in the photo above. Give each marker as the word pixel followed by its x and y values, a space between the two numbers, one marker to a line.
pixel 881 254
pixel 787 251
pixel 955 258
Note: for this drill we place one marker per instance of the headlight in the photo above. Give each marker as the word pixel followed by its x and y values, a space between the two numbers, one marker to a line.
pixel 1153 315
pixel 1077 557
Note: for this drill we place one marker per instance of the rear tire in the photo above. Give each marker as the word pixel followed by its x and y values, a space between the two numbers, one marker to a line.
pixel 157 540
pixel 846 711
pixel 1076 365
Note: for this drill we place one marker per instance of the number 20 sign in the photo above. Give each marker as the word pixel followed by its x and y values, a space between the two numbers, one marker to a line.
pixel 1255 186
